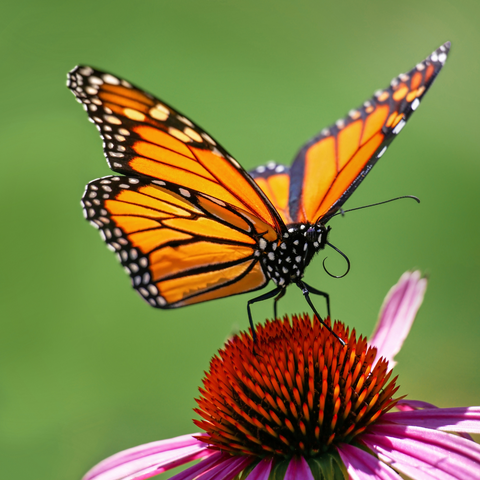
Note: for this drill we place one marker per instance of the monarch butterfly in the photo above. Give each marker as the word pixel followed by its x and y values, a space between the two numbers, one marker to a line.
pixel 189 224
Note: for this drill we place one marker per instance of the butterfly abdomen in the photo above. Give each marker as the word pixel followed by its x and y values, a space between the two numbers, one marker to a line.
pixel 285 261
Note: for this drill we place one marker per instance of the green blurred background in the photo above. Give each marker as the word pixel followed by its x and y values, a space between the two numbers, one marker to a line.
pixel 86 367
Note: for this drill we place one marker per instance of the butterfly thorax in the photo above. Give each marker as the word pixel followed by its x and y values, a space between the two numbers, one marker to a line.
pixel 285 261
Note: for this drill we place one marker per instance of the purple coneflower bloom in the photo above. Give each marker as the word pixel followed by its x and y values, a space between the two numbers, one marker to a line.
pixel 301 406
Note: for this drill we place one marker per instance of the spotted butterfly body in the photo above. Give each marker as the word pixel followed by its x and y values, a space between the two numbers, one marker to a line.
pixel 189 224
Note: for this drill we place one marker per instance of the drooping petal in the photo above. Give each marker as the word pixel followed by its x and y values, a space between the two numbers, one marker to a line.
pixel 459 419
pixel 262 470
pixel 298 468
pixel 363 466
pixel 415 446
pixel 150 459
pixel 397 315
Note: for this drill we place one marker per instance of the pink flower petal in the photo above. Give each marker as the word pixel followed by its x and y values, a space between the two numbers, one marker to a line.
pixel 407 405
pixel 363 466
pixel 413 467
pixel 461 419
pixel 157 457
pixel 217 458
pixel 445 452
pixel 397 315
pixel 262 470
pixel 228 469
pixel 298 469
pixel 154 470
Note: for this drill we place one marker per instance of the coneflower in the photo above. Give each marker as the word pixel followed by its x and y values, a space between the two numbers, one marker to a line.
pixel 299 405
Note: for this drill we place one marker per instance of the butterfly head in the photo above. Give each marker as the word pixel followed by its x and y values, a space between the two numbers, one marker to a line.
pixel 285 261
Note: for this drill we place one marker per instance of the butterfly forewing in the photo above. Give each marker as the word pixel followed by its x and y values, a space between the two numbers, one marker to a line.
pixel 330 167
pixel 178 245
pixel 145 136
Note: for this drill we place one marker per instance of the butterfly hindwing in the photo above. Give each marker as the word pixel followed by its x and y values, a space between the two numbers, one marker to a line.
pixel 144 136
pixel 330 167
pixel 178 246
pixel 274 179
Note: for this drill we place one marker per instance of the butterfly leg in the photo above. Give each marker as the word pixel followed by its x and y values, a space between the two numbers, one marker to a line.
pixel 305 290
pixel 277 298
pixel 265 296
pixel 322 294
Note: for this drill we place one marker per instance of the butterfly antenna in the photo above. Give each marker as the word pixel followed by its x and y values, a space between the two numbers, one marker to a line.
pixel 343 255
pixel 343 212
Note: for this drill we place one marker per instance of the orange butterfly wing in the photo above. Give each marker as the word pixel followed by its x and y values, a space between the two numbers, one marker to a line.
pixel 179 246
pixel 145 136
pixel 329 168
pixel 274 180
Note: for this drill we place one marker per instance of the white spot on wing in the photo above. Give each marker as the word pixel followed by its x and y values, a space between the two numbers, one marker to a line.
pixel 86 71
pixel 95 80
pixel 110 79
pixel 153 289
pixel 112 119
pixel 235 163
pixel 382 151
pixel 208 138
pixel 134 267
pixel 186 121
pixel 399 126
pixel 415 104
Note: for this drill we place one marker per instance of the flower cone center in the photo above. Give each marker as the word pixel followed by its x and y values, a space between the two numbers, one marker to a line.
pixel 297 390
